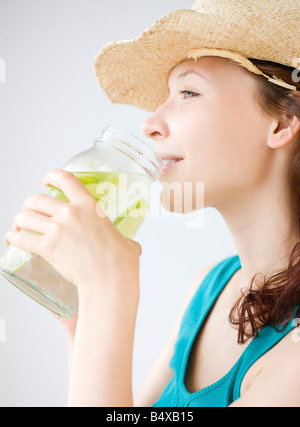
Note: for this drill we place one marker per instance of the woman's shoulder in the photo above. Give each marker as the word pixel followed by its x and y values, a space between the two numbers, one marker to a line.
pixel 286 353
pixel 274 379
pixel 198 280
pixel 212 270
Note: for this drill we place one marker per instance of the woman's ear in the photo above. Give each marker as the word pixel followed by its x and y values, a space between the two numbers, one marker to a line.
pixel 283 131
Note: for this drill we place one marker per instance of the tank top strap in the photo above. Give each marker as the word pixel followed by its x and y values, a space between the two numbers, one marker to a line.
pixel 226 390
pixel 198 309
pixel 266 339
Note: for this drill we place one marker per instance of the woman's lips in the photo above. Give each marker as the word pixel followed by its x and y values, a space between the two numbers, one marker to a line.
pixel 169 163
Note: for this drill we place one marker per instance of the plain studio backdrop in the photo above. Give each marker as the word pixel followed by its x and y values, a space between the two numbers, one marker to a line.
pixel 51 108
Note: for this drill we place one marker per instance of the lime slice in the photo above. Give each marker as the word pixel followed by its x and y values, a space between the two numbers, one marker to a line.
pixel 55 192
pixel 112 191
pixel 96 177
pixel 15 259
pixel 92 181
pixel 113 200
pixel 130 220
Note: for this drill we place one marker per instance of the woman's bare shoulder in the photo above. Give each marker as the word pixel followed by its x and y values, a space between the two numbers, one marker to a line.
pixel 276 383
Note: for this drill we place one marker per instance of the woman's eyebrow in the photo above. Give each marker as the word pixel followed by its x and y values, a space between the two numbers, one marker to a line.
pixel 191 71
pixel 198 73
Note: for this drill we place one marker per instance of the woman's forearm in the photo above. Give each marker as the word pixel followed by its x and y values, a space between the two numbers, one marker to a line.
pixel 101 367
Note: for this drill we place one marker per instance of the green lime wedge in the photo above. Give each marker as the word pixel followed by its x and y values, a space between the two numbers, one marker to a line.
pixel 111 191
pixel 96 177
pixel 92 181
pixel 15 259
pixel 130 220
pixel 55 192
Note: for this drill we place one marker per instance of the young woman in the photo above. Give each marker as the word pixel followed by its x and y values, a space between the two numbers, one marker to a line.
pixel 233 124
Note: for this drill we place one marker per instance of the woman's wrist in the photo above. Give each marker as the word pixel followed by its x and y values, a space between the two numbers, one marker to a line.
pixel 115 293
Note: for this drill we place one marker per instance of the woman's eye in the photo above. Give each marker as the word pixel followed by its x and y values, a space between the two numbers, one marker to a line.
pixel 188 94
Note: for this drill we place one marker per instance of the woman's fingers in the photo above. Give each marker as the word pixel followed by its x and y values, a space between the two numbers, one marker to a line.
pixel 26 241
pixel 43 204
pixel 34 217
pixel 68 183
pixel 6 242
pixel 31 221
pixel 72 188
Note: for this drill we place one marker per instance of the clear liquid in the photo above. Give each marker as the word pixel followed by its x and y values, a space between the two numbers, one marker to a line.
pixel 122 196
pixel 124 199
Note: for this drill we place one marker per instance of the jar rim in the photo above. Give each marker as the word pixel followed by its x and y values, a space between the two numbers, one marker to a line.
pixel 133 147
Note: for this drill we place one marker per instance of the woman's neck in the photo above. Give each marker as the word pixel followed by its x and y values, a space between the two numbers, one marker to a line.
pixel 263 230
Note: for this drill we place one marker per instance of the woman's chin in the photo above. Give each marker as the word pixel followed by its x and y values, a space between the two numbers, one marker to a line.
pixel 183 200
pixel 174 205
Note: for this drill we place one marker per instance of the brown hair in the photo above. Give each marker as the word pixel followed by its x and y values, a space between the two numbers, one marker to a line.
pixel 275 301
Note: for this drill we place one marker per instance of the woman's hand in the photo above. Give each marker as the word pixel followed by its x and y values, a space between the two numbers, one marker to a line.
pixel 77 238
pixel 88 250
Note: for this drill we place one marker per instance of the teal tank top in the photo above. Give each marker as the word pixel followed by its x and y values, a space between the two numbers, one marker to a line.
pixel 227 389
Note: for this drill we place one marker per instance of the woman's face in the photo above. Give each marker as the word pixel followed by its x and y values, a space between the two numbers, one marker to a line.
pixel 213 123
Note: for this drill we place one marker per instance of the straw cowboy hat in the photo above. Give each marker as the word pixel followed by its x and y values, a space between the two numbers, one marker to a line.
pixel 136 71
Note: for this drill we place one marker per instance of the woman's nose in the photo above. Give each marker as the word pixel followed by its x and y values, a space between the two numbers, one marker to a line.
pixel 155 126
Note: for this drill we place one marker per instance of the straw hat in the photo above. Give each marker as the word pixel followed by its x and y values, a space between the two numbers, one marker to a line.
pixel 136 71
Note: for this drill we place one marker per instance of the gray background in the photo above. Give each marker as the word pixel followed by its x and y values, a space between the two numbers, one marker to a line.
pixel 51 108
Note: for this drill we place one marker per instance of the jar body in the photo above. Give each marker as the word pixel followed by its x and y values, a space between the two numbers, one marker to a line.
pixel 117 171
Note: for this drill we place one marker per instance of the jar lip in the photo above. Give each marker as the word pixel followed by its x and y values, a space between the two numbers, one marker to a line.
pixel 134 147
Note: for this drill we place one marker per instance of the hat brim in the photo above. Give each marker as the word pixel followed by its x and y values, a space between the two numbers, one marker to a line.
pixel 135 72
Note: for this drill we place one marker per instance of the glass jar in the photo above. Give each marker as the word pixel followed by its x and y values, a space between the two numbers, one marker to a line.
pixel 118 171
